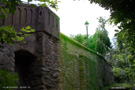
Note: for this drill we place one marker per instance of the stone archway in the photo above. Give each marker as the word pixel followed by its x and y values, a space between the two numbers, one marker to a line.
pixel 24 62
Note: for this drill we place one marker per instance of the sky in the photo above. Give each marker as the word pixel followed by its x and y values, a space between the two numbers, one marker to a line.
pixel 74 13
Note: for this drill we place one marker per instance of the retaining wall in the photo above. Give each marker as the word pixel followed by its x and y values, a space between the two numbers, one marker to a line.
pixel 48 61
pixel 82 68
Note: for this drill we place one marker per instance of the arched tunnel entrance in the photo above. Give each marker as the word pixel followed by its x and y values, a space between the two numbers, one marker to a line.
pixel 24 62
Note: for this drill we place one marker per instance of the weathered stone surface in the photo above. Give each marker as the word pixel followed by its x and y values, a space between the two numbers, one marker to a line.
pixel 36 61
pixel 82 68
pixel 48 62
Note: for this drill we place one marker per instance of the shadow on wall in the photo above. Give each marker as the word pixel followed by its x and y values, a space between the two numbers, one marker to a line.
pixel 24 67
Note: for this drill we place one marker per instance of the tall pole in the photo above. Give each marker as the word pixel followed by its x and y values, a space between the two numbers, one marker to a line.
pixel 86 24
pixel 87 35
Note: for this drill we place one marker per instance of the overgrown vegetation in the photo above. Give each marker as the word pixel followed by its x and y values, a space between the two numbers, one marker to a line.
pixel 82 69
pixel 122 14
pixel 122 67
pixel 8 81
pixel 122 58
pixel 98 42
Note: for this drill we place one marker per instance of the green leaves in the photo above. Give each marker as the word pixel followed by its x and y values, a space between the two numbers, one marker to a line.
pixel 99 42
pixel 28 29
pixel 122 14
pixel 4 12
pixel 11 4
pixel 80 38
pixel 27 35
pixel 8 35
pixel 51 3
pixel 5 33
pixel 116 30
pixel 19 38
pixel 29 0
pixel 33 5
pixel 7 79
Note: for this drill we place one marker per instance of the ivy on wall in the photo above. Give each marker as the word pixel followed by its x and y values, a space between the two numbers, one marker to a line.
pixel 82 68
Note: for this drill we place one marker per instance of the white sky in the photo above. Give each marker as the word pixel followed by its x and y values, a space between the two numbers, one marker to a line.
pixel 74 13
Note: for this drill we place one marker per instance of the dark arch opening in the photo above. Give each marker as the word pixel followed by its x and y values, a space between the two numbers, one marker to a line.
pixel 24 61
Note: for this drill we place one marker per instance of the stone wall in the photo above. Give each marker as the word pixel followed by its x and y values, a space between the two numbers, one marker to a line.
pixel 41 19
pixel 50 62
pixel 82 68
pixel 36 61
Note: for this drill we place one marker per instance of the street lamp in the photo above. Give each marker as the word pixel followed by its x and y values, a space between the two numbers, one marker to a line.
pixel 87 24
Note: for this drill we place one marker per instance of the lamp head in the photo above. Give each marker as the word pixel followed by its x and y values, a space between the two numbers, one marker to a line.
pixel 86 23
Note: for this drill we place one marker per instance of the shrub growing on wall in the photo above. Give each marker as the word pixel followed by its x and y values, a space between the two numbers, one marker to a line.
pixel 8 81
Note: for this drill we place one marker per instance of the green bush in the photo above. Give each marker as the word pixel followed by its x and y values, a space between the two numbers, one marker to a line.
pixel 8 81
pixel 120 75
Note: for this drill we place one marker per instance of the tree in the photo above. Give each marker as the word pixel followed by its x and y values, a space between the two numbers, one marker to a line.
pixel 122 14
pixel 120 61
pixel 80 38
pixel 99 42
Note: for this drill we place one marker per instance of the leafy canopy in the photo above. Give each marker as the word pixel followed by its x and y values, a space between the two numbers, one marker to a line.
pixel 99 42
pixel 122 14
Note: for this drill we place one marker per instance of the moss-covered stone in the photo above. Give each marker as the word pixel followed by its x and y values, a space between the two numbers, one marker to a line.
pixel 82 68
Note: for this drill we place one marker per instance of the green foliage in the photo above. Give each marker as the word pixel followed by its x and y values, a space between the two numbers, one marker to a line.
pixel 7 80
pixel 91 74
pixel 120 74
pixel 122 11
pixel 8 35
pixel 99 42
pixel 122 14
pixel 51 3
pixel 11 4
pixel 122 61
pixel 80 38
pixel 4 12
pixel 79 71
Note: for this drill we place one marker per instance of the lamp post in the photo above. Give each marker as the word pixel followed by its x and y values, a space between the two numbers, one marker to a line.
pixel 86 24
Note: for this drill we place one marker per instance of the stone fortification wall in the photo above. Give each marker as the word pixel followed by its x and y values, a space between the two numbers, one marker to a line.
pixel 45 54
pixel 36 61
pixel 38 18
pixel 82 68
